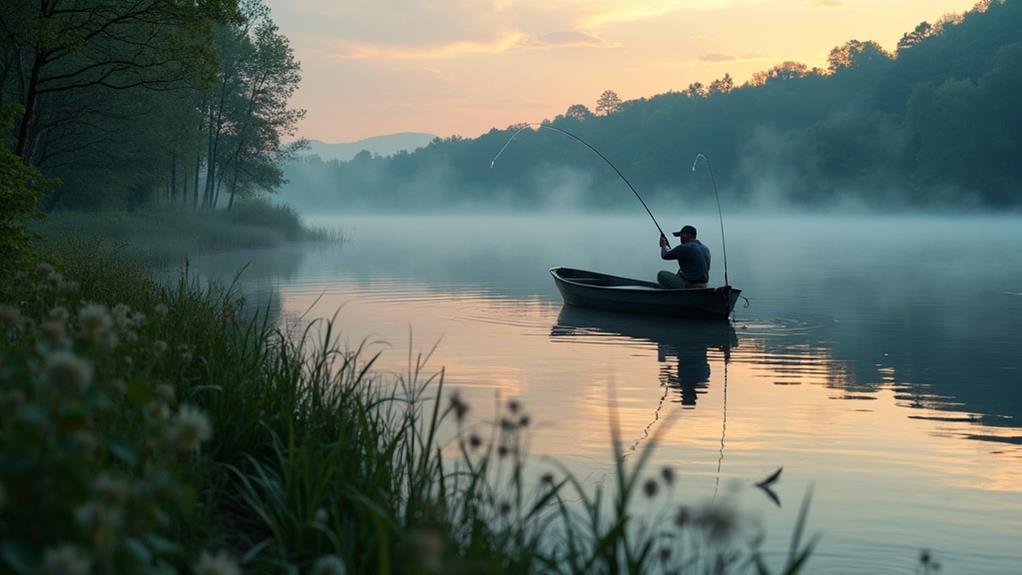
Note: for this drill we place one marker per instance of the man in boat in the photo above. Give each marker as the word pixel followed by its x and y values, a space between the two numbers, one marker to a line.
pixel 693 261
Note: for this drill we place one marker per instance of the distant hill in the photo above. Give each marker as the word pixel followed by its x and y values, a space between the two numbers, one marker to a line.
pixel 935 123
pixel 386 145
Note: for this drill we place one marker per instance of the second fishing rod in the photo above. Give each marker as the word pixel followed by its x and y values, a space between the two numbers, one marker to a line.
pixel 695 164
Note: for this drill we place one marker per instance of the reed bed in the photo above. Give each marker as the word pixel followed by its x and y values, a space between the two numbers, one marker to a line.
pixel 149 428
pixel 168 234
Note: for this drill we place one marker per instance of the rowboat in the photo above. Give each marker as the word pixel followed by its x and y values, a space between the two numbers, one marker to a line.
pixel 612 293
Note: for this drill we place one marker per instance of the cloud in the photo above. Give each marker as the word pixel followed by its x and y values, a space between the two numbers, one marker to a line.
pixel 565 39
pixel 441 51
pixel 633 10
pixel 422 29
pixel 716 57
pixel 825 3
pixel 449 50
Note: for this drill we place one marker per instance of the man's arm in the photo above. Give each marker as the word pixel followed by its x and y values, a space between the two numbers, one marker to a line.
pixel 665 247
pixel 669 254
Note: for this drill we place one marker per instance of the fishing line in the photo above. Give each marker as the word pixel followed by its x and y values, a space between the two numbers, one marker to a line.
pixel 586 144
pixel 723 425
pixel 720 213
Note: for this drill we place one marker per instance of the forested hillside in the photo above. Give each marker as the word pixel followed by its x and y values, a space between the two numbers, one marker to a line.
pixel 124 103
pixel 936 123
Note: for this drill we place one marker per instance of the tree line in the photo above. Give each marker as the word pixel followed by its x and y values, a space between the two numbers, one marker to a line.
pixel 120 103
pixel 933 123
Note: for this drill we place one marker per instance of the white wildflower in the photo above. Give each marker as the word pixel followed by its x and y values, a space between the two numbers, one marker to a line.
pixel 131 337
pixel 157 411
pixel 188 429
pixel 138 319
pixel 68 372
pixel 219 564
pixel 56 279
pixel 121 315
pixel 160 346
pixel 94 320
pixel 165 393
pixel 161 310
pixel 66 560
pixel 329 565
pixel 321 516
pixel 59 313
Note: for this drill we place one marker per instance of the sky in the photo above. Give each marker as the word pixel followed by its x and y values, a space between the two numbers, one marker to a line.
pixel 461 67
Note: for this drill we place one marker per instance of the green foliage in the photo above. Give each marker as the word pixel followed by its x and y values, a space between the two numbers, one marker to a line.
pixel 20 189
pixel 160 429
pixel 131 103
pixel 171 234
pixel 96 451
pixel 968 132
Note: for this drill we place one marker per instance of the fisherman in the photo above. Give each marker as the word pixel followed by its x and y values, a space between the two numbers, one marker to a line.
pixel 693 261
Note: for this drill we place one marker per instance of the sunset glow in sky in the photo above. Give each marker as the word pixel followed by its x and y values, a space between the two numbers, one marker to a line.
pixel 449 67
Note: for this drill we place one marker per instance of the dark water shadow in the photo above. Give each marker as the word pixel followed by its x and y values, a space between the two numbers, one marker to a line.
pixel 682 346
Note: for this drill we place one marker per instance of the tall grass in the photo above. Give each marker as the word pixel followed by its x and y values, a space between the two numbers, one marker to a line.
pixel 216 440
pixel 169 234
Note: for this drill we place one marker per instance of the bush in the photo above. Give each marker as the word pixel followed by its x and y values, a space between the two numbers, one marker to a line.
pixel 263 214
pixel 170 234
pixel 20 189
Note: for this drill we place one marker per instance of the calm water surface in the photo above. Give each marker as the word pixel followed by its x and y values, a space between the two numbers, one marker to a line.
pixel 880 361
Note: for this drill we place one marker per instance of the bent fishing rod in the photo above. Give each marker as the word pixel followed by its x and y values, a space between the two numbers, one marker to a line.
pixel 720 214
pixel 594 150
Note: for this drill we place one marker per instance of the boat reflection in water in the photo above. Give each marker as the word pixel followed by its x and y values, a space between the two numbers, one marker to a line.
pixel 682 345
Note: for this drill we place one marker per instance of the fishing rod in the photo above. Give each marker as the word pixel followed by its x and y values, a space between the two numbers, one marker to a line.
pixel 720 214
pixel 586 144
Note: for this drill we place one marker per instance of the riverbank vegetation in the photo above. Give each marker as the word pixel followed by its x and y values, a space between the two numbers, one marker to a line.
pixel 157 127
pixel 158 429
pixel 927 125
pixel 170 234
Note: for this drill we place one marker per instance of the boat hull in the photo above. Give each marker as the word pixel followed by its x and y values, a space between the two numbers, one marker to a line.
pixel 612 293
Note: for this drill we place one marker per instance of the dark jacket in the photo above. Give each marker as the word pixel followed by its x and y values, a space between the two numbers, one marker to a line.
pixel 693 259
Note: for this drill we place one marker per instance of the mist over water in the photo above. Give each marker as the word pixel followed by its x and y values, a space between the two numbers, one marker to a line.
pixel 878 360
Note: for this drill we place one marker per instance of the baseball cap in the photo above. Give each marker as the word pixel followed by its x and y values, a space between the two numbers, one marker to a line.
pixel 685 230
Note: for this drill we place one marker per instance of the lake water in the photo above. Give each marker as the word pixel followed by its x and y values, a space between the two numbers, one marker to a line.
pixel 880 361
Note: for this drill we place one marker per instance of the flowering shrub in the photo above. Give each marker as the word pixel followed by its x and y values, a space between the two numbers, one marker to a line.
pixel 94 447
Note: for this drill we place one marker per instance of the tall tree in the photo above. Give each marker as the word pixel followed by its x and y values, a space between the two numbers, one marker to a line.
pixel 911 39
pixel 578 112
pixel 722 85
pixel 608 103
pixel 269 76
pixel 855 54
pixel 60 48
